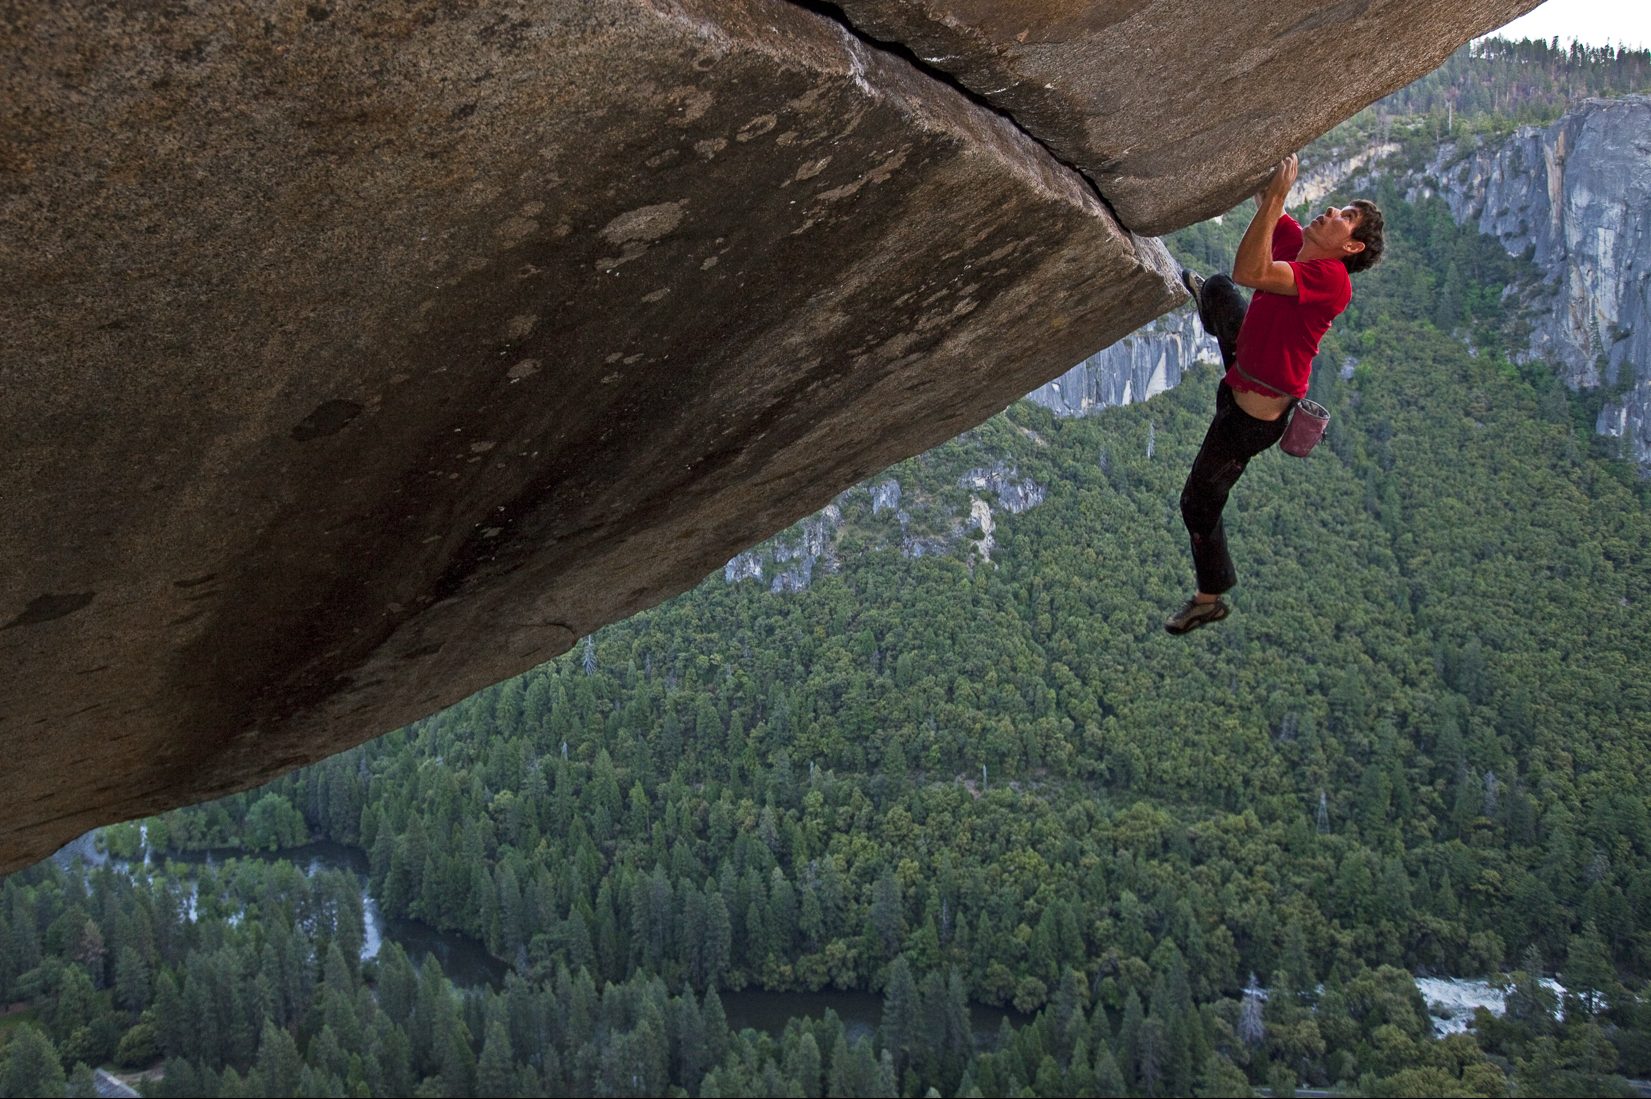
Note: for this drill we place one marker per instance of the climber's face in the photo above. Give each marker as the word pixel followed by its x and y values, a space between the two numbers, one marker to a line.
pixel 1333 230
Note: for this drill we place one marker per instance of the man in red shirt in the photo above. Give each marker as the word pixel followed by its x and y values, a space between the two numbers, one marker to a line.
pixel 1301 284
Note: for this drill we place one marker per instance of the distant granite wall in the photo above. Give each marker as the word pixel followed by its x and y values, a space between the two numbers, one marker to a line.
pixel 1576 196
pixel 1139 366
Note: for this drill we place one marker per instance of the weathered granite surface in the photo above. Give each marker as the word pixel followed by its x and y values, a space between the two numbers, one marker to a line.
pixel 1230 89
pixel 356 357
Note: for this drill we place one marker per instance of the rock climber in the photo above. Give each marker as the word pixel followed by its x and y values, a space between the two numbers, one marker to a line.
pixel 1301 283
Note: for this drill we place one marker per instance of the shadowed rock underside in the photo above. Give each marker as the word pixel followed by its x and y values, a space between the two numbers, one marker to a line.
pixel 357 359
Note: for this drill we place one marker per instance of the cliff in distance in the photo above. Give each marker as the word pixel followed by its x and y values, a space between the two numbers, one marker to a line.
pixel 1574 197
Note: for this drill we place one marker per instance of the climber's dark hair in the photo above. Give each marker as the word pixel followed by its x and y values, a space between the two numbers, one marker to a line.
pixel 1368 233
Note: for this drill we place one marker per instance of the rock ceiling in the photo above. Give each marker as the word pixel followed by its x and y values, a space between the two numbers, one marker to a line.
pixel 357 357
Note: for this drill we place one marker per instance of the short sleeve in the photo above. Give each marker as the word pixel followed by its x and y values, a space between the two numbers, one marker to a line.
pixel 1323 283
pixel 1287 237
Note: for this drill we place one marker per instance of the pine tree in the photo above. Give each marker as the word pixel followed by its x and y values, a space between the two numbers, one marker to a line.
pixel 131 980
pixel 496 1069
pixel 76 1002
pixel 1154 1055
pixel 1049 1079
pixel 1296 968
pixel 716 1027
pixel 803 1064
pixel 883 1081
pixel 1109 1081
pixel 169 1010
pixel 956 1037
pixel 716 953
pixel 1588 971
pixel 395 1058
pixel 1221 1079
pixel 82 1083
pixel 651 1049
pixel 29 1064
pixel 1251 1028
pixel 456 1068
pixel 279 1069
pixel 901 1028
pixel 1129 1039
pixel 887 916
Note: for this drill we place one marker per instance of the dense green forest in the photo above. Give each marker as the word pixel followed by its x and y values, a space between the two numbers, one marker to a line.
pixel 1494 85
pixel 1418 745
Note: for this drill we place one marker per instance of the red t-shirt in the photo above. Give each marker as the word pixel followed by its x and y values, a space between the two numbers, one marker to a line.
pixel 1281 334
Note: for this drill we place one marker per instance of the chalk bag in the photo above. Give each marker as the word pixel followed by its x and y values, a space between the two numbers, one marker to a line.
pixel 1307 424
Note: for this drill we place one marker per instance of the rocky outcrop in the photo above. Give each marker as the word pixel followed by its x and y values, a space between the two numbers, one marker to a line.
pixel 1576 198
pixel 359 356
pixel 789 561
pixel 744 566
pixel 1141 365
pixel 885 496
pixel 815 546
pixel 980 518
pixel 1013 492
pixel 1232 89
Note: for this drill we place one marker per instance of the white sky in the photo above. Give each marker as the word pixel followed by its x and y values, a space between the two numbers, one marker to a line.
pixel 1595 22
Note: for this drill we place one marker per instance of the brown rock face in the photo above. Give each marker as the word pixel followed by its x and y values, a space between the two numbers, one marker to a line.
pixel 355 359
pixel 1177 109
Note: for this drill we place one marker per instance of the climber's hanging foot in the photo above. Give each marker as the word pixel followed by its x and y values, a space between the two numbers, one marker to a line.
pixel 1194 282
pixel 1221 308
pixel 1196 612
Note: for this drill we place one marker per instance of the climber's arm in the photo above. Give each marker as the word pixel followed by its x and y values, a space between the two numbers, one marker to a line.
pixel 1254 266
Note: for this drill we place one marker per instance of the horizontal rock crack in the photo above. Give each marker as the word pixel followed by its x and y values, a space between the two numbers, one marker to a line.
pixel 907 54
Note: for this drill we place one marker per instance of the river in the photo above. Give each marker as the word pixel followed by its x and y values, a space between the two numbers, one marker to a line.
pixel 465 961
pixel 1451 1000
pixel 468 964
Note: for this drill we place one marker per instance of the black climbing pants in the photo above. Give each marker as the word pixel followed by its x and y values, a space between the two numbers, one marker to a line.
pixel 1234 437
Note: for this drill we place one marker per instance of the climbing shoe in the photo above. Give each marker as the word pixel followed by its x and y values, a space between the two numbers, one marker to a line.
pixel 1195 614
pixel 1194 282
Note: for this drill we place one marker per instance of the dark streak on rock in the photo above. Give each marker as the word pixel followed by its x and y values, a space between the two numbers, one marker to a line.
pixel 1345 13
pixel 328 418
pixel 195 581
pixel 44 608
